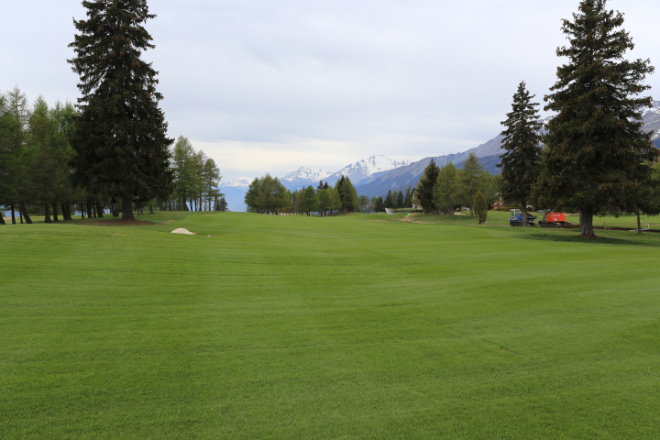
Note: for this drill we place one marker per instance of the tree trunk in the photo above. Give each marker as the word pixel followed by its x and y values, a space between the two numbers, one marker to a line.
pixel 66 211
pixel 99 210
pixel 523 210
pixel 587 222
pixel 13 214
pixel 127 208
pixel 151 208
pixel 24 213
pixel 2 218
pixel 55 213
pixel 639 223
pixel 47 214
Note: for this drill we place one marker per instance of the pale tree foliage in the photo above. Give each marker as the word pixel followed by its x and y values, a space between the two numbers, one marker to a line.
pixel 473 178
pixel 196 178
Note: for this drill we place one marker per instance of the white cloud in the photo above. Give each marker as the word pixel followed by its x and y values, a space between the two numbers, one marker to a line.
pixel 272 85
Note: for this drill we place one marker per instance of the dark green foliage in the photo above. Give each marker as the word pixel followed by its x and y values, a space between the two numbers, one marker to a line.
pixel 389 200
pixel 596 151
pixel 424 190
pixel 521 160
pixel 408 200
pixel 347 195
pixel 379 205
pixel 120 141
pixel 309 201
pixel 400 199
pixel 480 207
pixel 267 195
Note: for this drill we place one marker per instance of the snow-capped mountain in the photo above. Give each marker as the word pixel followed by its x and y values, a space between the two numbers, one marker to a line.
pixel 236 183
pixel 303 177
pixel 651 120
pixel 359 171
pixel 234 191
pixel 362 170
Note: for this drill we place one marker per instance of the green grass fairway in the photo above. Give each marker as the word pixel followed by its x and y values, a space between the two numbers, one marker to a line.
pixel 354 327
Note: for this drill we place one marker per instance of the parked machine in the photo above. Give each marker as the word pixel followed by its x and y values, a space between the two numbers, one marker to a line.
pixel 516 219
pixel 552 219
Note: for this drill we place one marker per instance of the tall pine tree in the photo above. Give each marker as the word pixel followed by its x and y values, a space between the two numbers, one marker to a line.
pixel 596 148
pixel 521 160
pixel 424 189
pixel 121 140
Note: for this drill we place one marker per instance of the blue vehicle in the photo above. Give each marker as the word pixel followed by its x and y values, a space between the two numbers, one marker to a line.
pixel 516 219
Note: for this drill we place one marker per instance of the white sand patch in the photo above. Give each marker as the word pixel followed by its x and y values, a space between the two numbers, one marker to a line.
pixel 183 231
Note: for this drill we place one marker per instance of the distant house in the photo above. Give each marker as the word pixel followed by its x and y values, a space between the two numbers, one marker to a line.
pixel 499 203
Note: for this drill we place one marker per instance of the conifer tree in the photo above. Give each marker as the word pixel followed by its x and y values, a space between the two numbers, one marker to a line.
pixel 521 160
pixel 596 149
pixel 424 190
pixel 407 202
pixel 121 140
pixel 446 191
pixel 399 200
pixel 389 200
pixel 347 195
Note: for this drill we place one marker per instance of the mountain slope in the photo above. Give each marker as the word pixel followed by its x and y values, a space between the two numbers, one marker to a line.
pixel 488 153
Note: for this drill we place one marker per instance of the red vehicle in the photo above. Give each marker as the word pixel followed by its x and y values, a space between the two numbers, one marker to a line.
pixel 553 219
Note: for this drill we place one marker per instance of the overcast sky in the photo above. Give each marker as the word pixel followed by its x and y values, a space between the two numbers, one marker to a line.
pixel 269 85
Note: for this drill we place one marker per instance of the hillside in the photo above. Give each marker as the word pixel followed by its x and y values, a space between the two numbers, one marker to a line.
pixel 488 154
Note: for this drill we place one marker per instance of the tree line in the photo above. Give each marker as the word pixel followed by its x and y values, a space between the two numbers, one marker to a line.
pixel 267 195
pixel 37 174
pixel 443 190
pixel 595 158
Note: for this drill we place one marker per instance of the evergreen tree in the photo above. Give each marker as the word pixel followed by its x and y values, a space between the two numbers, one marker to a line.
pixel 399 200
pixel 424 189
pixel 379 205
pixel 596 149
pixel 408 200
pixel 521 160
pixel 121 140
pixel 446 191
pixel 389 200
pixel 347 195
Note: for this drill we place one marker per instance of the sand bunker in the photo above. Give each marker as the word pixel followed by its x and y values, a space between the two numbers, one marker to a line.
pixel 183 231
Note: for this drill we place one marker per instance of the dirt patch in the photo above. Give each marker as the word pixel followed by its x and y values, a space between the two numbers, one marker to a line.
pixel 119 223
pixel 409 219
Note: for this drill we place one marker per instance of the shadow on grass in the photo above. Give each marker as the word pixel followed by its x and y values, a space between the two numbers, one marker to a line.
pixel 603 237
